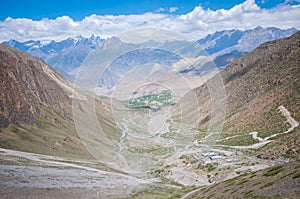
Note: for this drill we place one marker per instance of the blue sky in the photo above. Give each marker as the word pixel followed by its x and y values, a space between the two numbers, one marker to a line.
pixel 78 9
pixel 60 19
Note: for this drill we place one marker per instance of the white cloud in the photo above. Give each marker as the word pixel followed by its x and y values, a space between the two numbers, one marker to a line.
pixel 160 10
pixel 173 9
pixel 195 24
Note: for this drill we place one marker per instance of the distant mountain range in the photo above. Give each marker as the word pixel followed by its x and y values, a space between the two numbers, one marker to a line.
pixel 116 63
pixel 64 56
pixel 67 55
pixel 225 41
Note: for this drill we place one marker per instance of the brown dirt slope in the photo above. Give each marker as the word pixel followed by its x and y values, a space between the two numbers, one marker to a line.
pixel 26 88
pixel 36 110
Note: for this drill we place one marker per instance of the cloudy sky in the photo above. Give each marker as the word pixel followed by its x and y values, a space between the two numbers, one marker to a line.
pixel 59 19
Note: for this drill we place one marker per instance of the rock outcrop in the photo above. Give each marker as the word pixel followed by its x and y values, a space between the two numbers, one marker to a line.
pixel 27 85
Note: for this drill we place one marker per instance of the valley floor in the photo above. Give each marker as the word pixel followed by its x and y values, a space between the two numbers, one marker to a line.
pixel 27 175
pixel 148 162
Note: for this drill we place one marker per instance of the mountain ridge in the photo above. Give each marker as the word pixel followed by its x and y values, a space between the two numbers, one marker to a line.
pixel 225 41
pixel 67 55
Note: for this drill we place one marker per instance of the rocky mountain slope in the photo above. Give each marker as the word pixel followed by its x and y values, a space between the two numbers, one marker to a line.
pixel 27 84
pixel 259 83
pixel 256 86
pixel 280 181
pixel 36 107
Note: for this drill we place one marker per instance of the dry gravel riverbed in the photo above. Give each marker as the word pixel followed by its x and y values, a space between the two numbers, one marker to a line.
pixel 26 175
